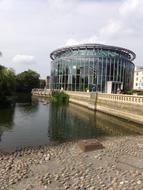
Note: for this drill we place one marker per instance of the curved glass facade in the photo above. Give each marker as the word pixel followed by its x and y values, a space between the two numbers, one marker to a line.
pixel 79 68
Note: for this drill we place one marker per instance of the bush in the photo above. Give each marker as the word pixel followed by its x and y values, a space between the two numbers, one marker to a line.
pixel 59 97
pixel 140 93
pixel 132 91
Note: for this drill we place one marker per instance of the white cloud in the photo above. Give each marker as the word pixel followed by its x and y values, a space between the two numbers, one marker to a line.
pixel 111 30
pixel 126 25
pixel 6 4
pixel 71 42
pixel 24 59
pixel 62 5
pixel 129 7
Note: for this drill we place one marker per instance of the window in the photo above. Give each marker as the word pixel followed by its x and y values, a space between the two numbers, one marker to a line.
pixel 137 73
pixel 136 84
pixel 137 79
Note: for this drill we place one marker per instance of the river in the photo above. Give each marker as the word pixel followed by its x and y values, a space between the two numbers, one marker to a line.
pixel 38 122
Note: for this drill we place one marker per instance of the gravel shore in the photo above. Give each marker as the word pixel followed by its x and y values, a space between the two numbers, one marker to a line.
pixel 119 166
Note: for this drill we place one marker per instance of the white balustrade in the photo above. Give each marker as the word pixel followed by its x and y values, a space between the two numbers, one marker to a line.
pixel 121 98
pixel 103 96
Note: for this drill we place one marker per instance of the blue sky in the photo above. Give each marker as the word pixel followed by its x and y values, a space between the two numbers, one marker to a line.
pixel 31 29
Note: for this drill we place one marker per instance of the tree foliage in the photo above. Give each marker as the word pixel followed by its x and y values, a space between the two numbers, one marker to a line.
pixel 11 84
pixel 26 81
pixel 59 97
pixel 7 85
pixel 7 81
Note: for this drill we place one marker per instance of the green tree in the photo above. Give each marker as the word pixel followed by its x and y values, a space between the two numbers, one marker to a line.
pixel 7 81
pixel 26 81
pixel 7 84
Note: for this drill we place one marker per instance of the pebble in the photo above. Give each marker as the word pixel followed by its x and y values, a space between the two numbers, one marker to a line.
pixel 71 168
pixel 91 188
pixel 47 157
pixel 139 182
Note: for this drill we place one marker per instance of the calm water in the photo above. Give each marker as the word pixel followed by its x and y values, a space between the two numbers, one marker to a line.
pixel 36 123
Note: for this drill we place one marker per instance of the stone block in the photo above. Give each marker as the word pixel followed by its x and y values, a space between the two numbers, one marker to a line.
pixel 89 145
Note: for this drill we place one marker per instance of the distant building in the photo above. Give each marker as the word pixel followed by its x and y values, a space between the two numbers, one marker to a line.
pixel 92 67
pixel 138 78
pixel 48 82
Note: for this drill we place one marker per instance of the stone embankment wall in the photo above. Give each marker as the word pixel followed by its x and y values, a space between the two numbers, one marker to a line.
pixel 124 106
pixel 120 105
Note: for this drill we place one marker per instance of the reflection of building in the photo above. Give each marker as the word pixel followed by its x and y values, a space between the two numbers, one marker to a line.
pixel 80 67
pixel 75 122
pixel 138 78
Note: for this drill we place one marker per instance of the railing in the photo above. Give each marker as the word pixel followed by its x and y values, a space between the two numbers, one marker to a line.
pixel 121 98
pixel 42 92
pixel 87 95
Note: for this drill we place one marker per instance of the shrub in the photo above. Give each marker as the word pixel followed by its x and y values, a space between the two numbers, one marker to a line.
pixel 59 97
pixel 132 91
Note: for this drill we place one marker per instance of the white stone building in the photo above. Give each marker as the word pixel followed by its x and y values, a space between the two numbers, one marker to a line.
pixel 138 78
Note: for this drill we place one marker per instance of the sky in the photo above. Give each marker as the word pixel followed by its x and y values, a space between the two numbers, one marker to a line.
pixel 31 29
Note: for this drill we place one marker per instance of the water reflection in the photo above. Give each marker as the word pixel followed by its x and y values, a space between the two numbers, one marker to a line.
pixel 27 104
pixel 36 122
pixel 109 125
pixel 29 107
pixel 16 124
pixel 6 120
pixel 74 122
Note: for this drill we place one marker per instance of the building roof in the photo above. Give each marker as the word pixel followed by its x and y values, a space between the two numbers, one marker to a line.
pixel 131 54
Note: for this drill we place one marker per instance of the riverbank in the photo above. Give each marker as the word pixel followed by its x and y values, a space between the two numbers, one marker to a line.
pixel 118 166
pixel 129 107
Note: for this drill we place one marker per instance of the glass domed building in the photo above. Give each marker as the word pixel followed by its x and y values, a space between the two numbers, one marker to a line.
pixel 82 67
